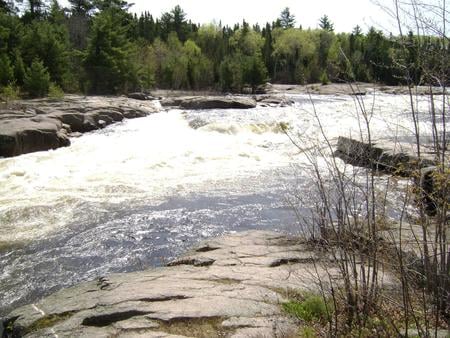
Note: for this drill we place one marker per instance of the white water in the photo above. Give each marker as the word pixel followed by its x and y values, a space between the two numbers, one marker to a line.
pixel 139 192
pixel 147 160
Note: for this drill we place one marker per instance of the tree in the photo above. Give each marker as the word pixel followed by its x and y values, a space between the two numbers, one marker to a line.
pixel 286 19
pixel 255 71
pixel 81 7
pixel 37 79
pixel 6 70
pixel 175 20
pixel 109 59
pixel 48 43
pixel 36 9
pixel 325 24
pixel 6 6
pixel 120 5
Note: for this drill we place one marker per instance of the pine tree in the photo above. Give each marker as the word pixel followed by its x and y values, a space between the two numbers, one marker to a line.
pixel 325 24
pixel 81 7
pixel 6 70
pixel 37 79
pixel 286 19
pixel 109 55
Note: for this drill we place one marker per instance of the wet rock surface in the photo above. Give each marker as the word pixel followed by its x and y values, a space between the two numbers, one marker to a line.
pixel 231 286
pixel 38 125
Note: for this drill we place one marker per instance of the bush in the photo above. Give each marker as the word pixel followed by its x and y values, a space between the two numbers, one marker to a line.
pixel 9 93
pixel 55 92
pixel 313 307
pixel 37 80
pixel 324 78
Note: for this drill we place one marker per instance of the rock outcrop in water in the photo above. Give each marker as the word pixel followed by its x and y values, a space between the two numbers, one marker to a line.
pixel 379 157
pixel 210 102
pixel 39 125
pixel 226 287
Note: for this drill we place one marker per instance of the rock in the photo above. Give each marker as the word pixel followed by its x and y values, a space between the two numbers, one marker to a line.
pixel 274 100
pixel 211 102
pixel 140 96
pixel 28 135
pixel 381 159
pixel 231 286
pixel 227 295
pixel 38 125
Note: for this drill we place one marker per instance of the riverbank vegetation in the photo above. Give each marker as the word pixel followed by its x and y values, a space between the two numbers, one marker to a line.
pixel 366 235
pixel 100 47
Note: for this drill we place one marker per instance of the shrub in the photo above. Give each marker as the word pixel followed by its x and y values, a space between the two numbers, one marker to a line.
pixel 9 93
pixel 324 78
pixel 313 307
pixel 55 92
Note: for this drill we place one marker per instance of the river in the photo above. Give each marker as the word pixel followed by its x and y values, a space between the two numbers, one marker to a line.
pixel 140 192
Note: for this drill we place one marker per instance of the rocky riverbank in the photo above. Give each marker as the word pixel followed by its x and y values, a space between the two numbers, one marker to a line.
pixel 38 125
pixel 231 286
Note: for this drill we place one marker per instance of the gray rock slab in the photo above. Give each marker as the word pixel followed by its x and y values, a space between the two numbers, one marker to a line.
pixel 211 102
pixel 237 294
pixel 39 125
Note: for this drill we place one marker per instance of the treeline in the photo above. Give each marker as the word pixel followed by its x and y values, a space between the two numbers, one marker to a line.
pixel 98 46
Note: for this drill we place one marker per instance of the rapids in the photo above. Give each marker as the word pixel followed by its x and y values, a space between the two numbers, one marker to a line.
pixel 137 193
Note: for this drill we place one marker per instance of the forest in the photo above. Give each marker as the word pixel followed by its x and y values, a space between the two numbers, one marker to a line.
pixel 100 47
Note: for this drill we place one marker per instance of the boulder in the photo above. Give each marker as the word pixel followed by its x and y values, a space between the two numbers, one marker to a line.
pixel 38 125
pixel 371 156
pixel 211 102
pixel 23 136
pixel 140 96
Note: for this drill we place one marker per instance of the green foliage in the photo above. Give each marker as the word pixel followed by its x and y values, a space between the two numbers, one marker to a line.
pixel 6 70
pixel 312 308
pixel 325 24
pixel 110 54
pixel 99 47
pixel 324 79
pixel 307 332
pixel 37 80
pixel 55 92
pixel 48 43
pixel 286 19
pixel 10 93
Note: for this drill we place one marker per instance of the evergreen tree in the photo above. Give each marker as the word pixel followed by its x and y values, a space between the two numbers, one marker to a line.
pixel 36 10
pixel 6 6
pixel 19 69
pixel 6 70
pixel 109 55
pixel 286 19
pixel 48 43
pixel 81 7
pixel 37 79
pixel 325 24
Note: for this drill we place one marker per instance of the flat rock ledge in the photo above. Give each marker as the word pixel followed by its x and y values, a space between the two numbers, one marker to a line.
pixel 383 157
pixel 231 286
pixel 210 102
pixel 38 125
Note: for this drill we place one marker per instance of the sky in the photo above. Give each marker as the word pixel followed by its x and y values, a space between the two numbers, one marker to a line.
pixel 345 14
